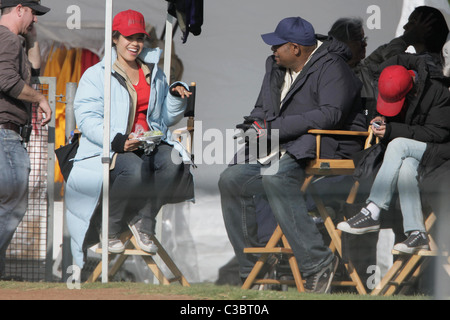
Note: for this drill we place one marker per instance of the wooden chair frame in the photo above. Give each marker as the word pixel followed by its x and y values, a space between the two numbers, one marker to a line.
pixel 316 168
pixel 127 237
pixel 132 249
pixel 407 268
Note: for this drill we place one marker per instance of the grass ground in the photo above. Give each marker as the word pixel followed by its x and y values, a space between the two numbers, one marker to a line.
pixel 140 291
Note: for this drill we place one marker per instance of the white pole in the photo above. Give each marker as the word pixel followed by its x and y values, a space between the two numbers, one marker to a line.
pixel 170 21
pixel 106 139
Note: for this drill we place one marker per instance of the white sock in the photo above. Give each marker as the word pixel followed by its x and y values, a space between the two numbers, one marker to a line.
pixel 374 210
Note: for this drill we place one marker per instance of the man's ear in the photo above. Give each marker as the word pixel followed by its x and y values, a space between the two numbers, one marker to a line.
pixel 297 49
pixel 19 10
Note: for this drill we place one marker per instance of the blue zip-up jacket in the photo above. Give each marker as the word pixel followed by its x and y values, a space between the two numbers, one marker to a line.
pixel 85 181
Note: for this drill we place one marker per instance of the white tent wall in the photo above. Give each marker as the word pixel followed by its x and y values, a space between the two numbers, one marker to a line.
pixel 227 62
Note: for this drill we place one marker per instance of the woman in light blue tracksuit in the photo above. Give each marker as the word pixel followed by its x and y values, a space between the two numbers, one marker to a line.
pixel 141 182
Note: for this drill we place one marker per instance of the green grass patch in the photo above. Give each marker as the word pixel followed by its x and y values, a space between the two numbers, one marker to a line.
pixel 200 291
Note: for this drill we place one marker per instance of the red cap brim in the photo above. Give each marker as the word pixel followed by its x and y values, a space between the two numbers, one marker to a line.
pixel 130 31
pixel 389 109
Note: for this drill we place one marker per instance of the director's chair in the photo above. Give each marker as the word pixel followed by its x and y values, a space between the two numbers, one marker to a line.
pixel 132 248
pixel 407 268
pixel 278 244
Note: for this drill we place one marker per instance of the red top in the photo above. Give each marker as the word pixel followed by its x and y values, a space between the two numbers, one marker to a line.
pixel 143 97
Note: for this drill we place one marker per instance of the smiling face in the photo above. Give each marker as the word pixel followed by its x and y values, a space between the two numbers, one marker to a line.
pixel 129 48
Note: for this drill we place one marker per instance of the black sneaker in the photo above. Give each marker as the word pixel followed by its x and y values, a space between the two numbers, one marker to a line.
pixel 416 241
pixel 320 282
pixel 360 224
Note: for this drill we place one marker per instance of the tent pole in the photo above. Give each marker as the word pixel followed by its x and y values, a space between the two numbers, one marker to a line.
pixel 106 139
pixel 170 22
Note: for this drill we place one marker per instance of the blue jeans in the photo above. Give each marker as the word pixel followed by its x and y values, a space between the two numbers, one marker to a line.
pixel 240 184
pixel 14 173
pixel 399 170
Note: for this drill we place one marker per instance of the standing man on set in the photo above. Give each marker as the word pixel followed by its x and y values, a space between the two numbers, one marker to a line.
pixel 19 61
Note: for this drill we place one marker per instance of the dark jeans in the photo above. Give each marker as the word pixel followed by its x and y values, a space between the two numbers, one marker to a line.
pixel 140 186
pixel 240 184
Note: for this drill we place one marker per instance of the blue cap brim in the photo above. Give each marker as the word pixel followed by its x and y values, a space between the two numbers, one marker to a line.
pixel 272 39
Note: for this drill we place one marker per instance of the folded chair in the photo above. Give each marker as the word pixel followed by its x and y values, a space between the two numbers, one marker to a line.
pixel 132 248
pixel 315 169
pixel 407 268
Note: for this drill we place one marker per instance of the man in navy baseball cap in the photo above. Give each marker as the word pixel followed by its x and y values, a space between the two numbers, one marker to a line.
pixel 32 4
pixel 295 30
pixel 307 84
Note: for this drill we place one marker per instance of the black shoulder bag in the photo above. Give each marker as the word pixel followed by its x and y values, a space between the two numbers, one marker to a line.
pixel 66 154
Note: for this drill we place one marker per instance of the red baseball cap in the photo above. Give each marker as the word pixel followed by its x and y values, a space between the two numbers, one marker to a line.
pixel 394 83
pixel 129 22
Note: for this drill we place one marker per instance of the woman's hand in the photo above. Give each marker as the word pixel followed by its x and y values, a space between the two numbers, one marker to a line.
pixel 181 91
pixel 132 143
pixel 378 126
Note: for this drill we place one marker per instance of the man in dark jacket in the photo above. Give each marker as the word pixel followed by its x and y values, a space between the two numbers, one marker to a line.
pixel 308 85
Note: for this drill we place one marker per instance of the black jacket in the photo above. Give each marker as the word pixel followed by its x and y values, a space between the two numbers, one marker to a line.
pixel 326 95
pixel 427 115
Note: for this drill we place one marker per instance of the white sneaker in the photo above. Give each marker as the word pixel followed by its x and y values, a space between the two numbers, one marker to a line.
pixel 115 245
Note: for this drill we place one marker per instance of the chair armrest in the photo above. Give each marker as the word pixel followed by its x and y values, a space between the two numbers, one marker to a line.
pixel 319 132
pixel 180 131
pixel 177 134
pixel 340 132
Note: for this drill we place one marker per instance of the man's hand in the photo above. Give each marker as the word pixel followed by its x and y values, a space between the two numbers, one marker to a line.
pixel 258 125
pixel 44 112
pixel 33 50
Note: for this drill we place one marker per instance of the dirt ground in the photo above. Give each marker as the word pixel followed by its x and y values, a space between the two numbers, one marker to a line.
pixel 90 294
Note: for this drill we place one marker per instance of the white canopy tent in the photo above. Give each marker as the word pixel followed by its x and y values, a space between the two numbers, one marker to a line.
pixel 227 62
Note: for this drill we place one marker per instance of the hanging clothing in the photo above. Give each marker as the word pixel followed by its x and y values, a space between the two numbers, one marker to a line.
pixel 189 14
pixel 88 59
pixel 67 65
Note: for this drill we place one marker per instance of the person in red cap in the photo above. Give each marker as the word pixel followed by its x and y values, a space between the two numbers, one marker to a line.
pixel 146 164
pixel 414 108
